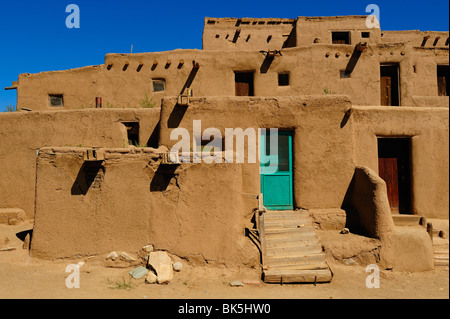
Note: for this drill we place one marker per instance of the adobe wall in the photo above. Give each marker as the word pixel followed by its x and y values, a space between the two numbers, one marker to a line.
pixel 429 132
pixel 133 201
pixel 23 133
pixel 322 143
pixel 125 80
pixel 417 38
pixel 248 34
pixel 311 30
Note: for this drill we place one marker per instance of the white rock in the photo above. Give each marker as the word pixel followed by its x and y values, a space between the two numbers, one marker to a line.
pixel 162 264
pixel 177 266
pixel 125 257
pixel 165 273
pixel 151 278
pixel 236 283
pixel 148 248
pixel 112 255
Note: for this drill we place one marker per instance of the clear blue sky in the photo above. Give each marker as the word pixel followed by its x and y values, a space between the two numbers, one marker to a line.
pixel 34 36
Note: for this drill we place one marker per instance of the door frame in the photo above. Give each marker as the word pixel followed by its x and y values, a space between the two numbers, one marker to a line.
pixel 403 155
pixel 289 173
pixel 394 79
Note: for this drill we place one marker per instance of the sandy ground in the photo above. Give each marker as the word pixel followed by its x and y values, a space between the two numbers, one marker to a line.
pixel 24 277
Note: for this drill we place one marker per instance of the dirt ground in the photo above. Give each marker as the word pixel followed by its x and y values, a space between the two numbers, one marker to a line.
pixel 23 277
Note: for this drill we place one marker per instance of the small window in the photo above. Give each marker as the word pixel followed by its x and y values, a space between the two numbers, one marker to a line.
pixel 132 132
pixel 56 100
pixel 365 35
pixel 443 84
pixel 340 37
pixel 159 85
pixel 283 79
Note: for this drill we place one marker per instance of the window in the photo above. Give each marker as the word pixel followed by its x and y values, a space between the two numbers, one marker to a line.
pixel 159 85
pixel 340 37
pixel 442 77
pixel 365 35
pixel 132 132
pixel 56 100
pixel 283 79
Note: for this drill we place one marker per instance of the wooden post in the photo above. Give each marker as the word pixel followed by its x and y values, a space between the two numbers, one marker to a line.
pixel 430 230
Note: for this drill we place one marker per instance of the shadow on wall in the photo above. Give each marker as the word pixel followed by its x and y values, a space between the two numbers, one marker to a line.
pixel 162 178
pixel 176 116
pixel 153 140
pixel 90 174
pixel 266 64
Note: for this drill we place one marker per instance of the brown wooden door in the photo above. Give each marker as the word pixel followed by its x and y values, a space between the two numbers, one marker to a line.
pixel 387 170
pixel 242 89
pixel 389 85
pixel 386 85
pixel 394 169
pixel 244 83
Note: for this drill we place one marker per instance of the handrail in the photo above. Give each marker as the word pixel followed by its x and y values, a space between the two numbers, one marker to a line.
pixel 262 238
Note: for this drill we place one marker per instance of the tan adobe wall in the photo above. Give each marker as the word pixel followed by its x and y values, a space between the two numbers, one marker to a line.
pixel 313 69
pixel 327 144
pixel 312 30
pixel 323 150
pixel 247 34
pixel 135 201
pixel 428 130
pixel 24 133
pixel 417 38
pixel 403 248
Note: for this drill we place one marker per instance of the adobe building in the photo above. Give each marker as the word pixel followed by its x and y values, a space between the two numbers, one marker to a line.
pixel 362 116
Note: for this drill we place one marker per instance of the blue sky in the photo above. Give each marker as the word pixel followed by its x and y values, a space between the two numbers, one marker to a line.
pixel 34 36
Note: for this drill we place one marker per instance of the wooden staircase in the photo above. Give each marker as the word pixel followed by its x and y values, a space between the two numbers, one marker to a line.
pixel 440 252
pixel 291 251
pixel 440 242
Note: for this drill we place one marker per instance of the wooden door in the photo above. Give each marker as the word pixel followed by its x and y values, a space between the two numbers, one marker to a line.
pixel 277 171
pixel 394 169
pixel 389 85
pixel 387 170
pixel 244 83
pixel 386 85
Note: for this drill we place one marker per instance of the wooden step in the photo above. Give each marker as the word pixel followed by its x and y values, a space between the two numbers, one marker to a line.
pixel 296 250
pixel 292 235
pixel 286 216
pixel 293 252
pixel 288 242
pixel 289 223
pixel 441 263
pixel 298 276
pixel 303 229
pixel 282 261
pixel 440 257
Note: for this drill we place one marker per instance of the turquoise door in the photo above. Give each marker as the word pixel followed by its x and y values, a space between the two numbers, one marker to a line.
pixel 276 170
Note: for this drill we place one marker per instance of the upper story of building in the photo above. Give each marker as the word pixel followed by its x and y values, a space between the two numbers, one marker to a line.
pixel 276 34
pixel 262 57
